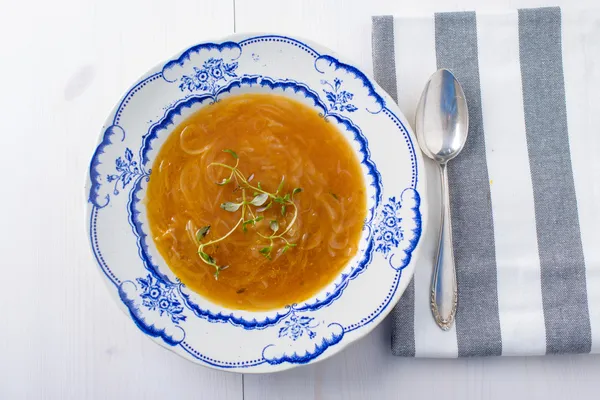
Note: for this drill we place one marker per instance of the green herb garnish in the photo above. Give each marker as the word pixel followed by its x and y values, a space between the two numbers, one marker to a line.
pixel 262 200
pixel 233 153
pixel 202 232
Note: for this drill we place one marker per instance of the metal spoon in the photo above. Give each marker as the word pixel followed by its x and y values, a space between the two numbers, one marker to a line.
pixel 442 122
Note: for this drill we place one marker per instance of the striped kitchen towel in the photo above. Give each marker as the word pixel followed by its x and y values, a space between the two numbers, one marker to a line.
pixel 525 191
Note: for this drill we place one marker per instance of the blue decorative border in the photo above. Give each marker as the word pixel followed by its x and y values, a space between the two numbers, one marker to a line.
pixel 208 360
pixel 95 176
pixel 319 349
pixel 332 61
pixel 129 95
pixel 185 56
pixel 281 39
pixel 189 102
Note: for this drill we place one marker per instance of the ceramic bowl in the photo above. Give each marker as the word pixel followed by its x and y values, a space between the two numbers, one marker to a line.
pixel 138 277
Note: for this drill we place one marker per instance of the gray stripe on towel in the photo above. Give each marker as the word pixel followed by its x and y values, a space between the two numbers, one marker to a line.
pixel 384 68
pixel 477 318
pixel 403 323
pixel 384 60
pixel 564 294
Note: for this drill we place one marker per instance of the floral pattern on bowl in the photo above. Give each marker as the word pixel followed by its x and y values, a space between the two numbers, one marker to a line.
pixel 183 321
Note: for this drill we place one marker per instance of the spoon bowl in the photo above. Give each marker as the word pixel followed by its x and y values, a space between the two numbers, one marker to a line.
pixel 442 118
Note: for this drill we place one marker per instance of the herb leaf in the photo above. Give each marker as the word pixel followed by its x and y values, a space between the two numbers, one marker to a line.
pixel 251 222
pixel 287 247
pixel 202 232
pixel 280 184
pixel 296 190
pixel 233 153
pixel 229 206
pixel 274 226
pixel 265 207
pixel 207 258
pixel 260 199
pixel 283 209
pixel 225 181
pixel 266 251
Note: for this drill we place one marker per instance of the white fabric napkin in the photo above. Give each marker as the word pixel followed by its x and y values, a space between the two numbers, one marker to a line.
pixel 525 191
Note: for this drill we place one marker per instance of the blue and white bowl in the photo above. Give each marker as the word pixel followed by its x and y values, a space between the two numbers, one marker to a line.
pixel 190 325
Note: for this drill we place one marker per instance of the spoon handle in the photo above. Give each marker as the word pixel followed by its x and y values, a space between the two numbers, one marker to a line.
pixel 444 294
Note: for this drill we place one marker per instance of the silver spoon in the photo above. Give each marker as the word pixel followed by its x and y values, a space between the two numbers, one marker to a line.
pixel 442 124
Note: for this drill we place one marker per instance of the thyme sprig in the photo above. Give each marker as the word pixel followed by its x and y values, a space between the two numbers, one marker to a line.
pixel 252 209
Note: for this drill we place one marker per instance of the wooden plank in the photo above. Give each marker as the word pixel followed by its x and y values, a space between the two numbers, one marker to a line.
pixel 64 64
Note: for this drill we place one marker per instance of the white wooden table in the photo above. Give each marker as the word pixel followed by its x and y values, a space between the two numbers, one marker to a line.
pixel 63 64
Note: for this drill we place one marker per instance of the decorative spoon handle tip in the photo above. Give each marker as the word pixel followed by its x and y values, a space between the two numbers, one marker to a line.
pixel 444 323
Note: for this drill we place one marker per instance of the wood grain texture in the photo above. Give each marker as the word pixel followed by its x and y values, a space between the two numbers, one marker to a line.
pixel 64 64
pixel 367 369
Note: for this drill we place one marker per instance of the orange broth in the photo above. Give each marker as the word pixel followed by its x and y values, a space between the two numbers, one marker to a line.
pixel 274 137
